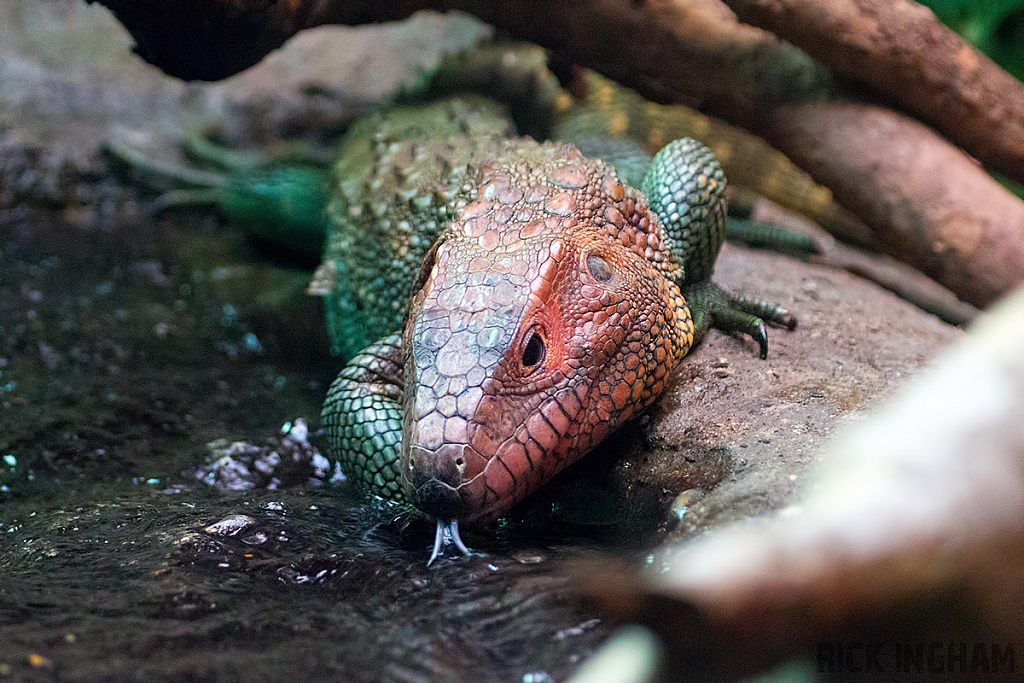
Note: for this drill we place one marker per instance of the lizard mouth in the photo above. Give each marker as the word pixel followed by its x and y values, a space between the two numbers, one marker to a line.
pixel 447 532
pixel 438 478
pixel 439 499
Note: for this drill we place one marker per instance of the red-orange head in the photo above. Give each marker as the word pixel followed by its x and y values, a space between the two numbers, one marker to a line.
pixel 545 319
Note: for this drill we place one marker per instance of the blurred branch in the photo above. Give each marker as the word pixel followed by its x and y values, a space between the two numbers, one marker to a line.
pixel 928 203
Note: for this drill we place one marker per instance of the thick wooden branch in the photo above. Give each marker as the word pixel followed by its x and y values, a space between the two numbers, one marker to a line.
pixel 899 49
pixel 693 51
pixel 926 201
pixel 698 53
pixel 896 47
pixel 209 40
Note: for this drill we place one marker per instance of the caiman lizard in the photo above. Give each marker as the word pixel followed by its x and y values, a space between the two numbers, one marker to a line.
pixel 506 304
pixel 527 302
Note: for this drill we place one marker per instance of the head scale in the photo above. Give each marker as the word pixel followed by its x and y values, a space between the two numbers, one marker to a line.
pixel 543 322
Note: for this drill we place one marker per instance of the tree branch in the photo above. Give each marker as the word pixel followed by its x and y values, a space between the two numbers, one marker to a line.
pixel 209 39
pixel 926 201
pixel 929 205
pixel 901 50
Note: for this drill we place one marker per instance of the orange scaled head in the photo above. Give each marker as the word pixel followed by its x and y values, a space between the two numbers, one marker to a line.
pixel 544 321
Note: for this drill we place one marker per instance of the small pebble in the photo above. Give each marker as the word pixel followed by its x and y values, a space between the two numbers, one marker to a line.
pixel 684 500
pixel 39 660
pixel 537 677
pixel 529 557
pixel 257 538
pixel 230 526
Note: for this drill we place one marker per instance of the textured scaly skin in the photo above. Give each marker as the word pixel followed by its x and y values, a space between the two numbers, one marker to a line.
pixel 541 301
pixel 547 302
pixel 610 111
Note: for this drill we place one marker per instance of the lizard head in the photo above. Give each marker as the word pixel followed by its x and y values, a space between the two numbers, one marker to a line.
pixel 543 320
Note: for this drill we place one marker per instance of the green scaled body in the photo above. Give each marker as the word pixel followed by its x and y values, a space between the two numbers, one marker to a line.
pixel 400 175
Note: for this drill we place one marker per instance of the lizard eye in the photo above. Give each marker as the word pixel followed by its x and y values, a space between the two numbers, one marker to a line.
pixel 534 350
pixel 599 269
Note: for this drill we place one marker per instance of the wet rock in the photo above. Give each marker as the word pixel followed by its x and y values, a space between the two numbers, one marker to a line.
pixel 682 503
pixel 230 526
pixel 917 511
pixel 528 557
pixel 286 460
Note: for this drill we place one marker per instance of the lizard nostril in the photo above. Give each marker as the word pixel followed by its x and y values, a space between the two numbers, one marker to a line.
pixel 534 351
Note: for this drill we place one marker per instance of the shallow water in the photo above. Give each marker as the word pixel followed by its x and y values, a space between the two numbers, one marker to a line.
pixel 317 585
pixel 125 347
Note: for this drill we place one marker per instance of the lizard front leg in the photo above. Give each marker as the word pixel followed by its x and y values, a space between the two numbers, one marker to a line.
pixel 685 186
pixel 362 418
pixel 712 306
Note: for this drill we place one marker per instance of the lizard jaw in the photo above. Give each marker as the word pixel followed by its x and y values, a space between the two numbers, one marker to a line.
pixel 437 480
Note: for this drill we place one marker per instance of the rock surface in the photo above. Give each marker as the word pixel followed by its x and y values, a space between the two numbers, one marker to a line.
pixel 908 537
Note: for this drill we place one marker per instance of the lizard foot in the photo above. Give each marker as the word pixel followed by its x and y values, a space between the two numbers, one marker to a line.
pixel 711 306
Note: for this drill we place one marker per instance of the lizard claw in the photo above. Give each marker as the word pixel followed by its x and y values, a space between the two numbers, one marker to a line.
pixel 447 533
